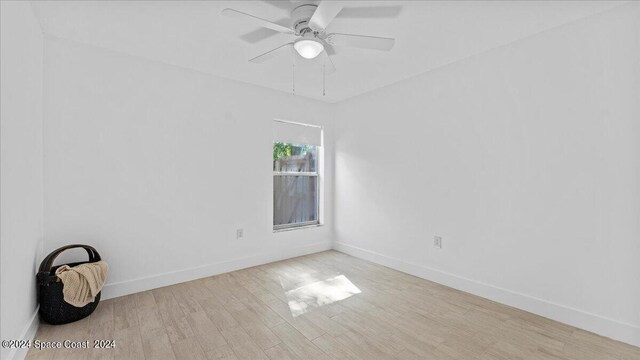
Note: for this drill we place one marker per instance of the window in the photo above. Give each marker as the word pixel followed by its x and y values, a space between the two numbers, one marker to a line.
pixel 295 178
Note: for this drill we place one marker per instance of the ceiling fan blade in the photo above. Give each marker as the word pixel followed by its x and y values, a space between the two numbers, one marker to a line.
pixel 256 20
pixel 271 53
pixel 361 41
pixel 370 12
pixel 329 68
pixel 258 35
pixel 324 14
pixel 329 49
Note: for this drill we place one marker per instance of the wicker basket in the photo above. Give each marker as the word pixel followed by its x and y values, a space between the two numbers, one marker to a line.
pixel 53 309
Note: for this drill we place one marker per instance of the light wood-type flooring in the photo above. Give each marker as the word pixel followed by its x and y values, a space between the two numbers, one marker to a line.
pixel 292 310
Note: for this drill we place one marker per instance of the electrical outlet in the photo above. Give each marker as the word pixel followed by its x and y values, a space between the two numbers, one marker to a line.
pixel 437 241
pixel 239 234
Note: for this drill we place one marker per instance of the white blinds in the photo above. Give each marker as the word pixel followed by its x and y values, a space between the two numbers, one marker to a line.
pixel 295 133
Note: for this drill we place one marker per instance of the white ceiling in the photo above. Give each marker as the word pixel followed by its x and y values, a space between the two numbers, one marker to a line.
pixel 194 35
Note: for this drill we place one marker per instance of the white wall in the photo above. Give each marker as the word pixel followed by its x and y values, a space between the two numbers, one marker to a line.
pixel 525 159
pixel 157 166
pixel 20 169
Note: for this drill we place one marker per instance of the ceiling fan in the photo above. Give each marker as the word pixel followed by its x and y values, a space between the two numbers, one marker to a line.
pixel 308 23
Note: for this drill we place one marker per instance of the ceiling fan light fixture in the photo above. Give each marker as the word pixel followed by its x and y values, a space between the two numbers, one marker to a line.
pixel 308 48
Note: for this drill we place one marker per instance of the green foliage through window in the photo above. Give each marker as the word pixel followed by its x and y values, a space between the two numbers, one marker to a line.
pixel 281 149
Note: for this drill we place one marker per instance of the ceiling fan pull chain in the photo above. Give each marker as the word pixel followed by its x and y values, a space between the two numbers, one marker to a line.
pixel 293 71
pixel 324 77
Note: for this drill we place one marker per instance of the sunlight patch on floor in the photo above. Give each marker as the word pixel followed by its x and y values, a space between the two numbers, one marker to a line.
pixel 320 293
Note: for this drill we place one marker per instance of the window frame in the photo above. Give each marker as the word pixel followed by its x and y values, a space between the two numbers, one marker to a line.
pixel 316 174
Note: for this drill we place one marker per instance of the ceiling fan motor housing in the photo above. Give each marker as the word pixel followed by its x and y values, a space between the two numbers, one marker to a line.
pixel 300 18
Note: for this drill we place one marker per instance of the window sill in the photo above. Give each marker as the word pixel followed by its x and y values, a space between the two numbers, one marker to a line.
pixel 297 228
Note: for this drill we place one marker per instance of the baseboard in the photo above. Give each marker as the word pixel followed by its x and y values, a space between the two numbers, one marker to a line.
pixel 29 333
pixel 165 279
pixel 601 325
